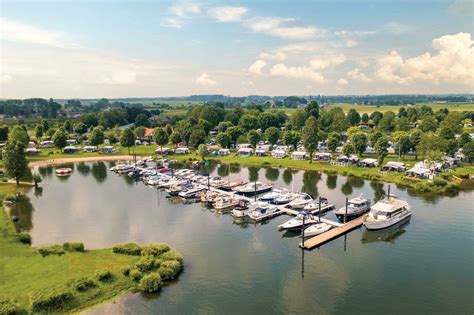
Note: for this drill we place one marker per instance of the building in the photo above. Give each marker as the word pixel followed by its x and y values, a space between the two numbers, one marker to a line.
pixel 392 166
pixel 244 152
pixel 182 150
pixel 278 154
pixel 368 163
pixel 148 134
pixel 322 156
pixel 70 149
pixel 32 151
pixel 223 152
pixel 89 149
pixel 299 155
pixel 260 152
pixel 163 151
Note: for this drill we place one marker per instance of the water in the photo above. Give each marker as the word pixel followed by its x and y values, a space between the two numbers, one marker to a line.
pixel 420 266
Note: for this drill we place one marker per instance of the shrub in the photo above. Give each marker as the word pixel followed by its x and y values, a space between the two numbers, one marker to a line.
pixel 451 187
pixel 9 307
pixel 24 238
pixel 151 282
pixel 145 264
pixel 132 249
pixel 104 276
pixel 174 265
pixel 172 255
pixel 126 271
pixel 166 273
pixel 155 249
pixel 422 187
pixel 439 182
pixel 51 250
pixel 157 263
pixel 135 274
pixel 49 299
pixel 84 284
pixel 73 246
pixel 10 198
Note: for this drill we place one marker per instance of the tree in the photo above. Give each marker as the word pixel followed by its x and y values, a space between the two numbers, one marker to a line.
pixel 353 117
pixel 365 118
pixel 253 137
pixel 403 124
pixel 291 137
pixel 381 149
pixel 312 109
pixel 446 133
pixel 464 138
pixel 310 136
pixel 184 128
pixel 37 179
pixel 67 126
pixel 333 141
pixel 468 151
pixel 127 139
pixel 404 145
pixel 454 121
pixel 348 149
pixel 19 135
pixel 60 139
pixel 39 131
pixel 80 128
pixel 429 143
pixel 375 136
pixel 428 124
pixel 267 120
pixel 224 139
pixel 97 136
pixel 3 133
pixel 204 125
pixel 203 151
pixel 359 140
pixel 197 137
pixel 142 120
pixel 376 116
pixel 387 122
pixel 297 119
pixel 248 122
pixel 45 124
pixel 14 160
pixel 415 138
pixel 161 138
pixel 234 132
pixel 140 132
pixel 175 138
pixel 272 135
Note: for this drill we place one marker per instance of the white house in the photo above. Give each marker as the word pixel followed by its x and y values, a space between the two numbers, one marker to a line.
pixel 392 166
pixel 322 156
pixel 89 149
pixel 244 152
pixel 299 155
pixel 368 163
pixel 278 154
pixel 244 146
pixel 260 152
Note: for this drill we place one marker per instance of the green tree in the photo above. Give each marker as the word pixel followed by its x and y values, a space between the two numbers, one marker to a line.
pixel 348 149
pixel 224 139
pixel 248 122
pixel 14 160
pixel 203 151
pixel 161 138
pixel 197 137
pixel 333 141
pixel 142 120
pixel 468 151
pixel 291 137
pixel 234 132
pixel 19 135
pixel 67 126
pixel 310 136
pixel 446 133
pixel 175 138
pixel 60 139
pixel 140 132
pixel 312 109
pixel 184 128
pixel 387 123
pixel 376 116
pixel 415 138
pixel 464 138
pixel 297 119
pixel 381 149
pixel 272 135
pixel 45 124
pixel 403 124
pixel 359 140
pixel 365 118
pixel 428 124
pixel 3 133
pixel 375 136
pixel 97 136
pixel 454 121
pixel 80 128
pixel 127 139
pixel 353 117
pixel 253 137
pixel 39 131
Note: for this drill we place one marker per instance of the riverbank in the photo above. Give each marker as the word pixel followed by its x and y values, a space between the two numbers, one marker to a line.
pixel 74 159
pixel 81 278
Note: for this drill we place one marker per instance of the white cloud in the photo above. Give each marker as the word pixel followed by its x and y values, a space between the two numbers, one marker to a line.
pixel 257 66
pixel 327 61
pixel 23 33
pixel 305 73
pixel 204 79
pixel 347 33
pixel 276 56
pixel 171 22
pixel 287 28
pixel 228 14
pixel 356 74
pixel 351 43
pixel 185 9
pixel 452 63
pixel 342 81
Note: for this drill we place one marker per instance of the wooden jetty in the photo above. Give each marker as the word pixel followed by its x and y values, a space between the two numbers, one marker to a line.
pixel 333 233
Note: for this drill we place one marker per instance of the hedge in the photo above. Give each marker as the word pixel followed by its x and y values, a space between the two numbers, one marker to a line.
pixel 151 282
pixel 49 299
pixel 155 249
pixel 74 247
pixel 51 250
pixel 104 275
pixel 127 249
pixel 84 284
pixel 9 307
pixel 25 238
pixel 125 271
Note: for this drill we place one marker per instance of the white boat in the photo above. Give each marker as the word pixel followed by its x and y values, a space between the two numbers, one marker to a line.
pixel 253 188
pixel 271 196
pixel 297 222
pixel 317 229
pixel 241 210
pixel 225 202
pixel 264 211
pixel 355 208
pixel 192 192
pixel 313 205
pixel 387 212
pixel 300 202
pixel 286 198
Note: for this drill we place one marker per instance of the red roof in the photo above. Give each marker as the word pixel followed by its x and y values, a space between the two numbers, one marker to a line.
pixel 149 132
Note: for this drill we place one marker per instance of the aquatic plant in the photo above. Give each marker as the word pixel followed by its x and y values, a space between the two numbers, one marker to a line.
pixel 151 282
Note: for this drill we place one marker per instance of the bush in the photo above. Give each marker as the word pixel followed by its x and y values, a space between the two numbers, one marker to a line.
pixel 439 182
pixel 84 284
pixel 24 238
pixel 422 187
pixel 172 255
pixel 10 198
pixel 132 249
pixel 451 187
pixel 51 250
pixel 151 282
pixel 73 246
pixel 104 276
pixel 9 307
pixel 49 299
pixel 166 273
pixel 155 249
pixel 125 271
pixel 135 274
pixel 174 265
pixel 145 264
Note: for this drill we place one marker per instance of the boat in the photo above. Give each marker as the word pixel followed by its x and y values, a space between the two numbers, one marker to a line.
pixel 355 208
pixel 271 196
pixel 225 202
pixel 317 229
pixel 241 210
pixel 387 212
pixel 176 189
pixel 63 171
pixel 230 186
pixel 297 222
pixel 300 202
pixel 313 205
pixel 264 211
pixel 254 188
pixel 192 192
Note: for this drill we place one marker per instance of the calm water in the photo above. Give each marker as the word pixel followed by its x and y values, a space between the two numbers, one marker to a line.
pixel 422 266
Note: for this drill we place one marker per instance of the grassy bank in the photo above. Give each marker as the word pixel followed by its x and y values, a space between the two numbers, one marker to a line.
pixel 24 271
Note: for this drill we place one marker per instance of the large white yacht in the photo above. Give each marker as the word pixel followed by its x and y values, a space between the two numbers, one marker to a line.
pixel 387 212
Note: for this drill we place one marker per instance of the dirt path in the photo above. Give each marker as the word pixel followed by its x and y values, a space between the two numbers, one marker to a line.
pixel 80 159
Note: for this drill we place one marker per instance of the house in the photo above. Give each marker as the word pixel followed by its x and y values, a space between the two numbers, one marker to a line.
pixel 322 156
pixel 148 134
pixel 244 152
pixel 163 151
pixel 181 150
pixel 418 172
pixel 286 148
pixel 32 151
pixel 368 163
pixel 107 149
pixel 89 149
pixel 392 166
pixel 46 144
pixel 299 155
pixel 278 154
pixel 265 147
pixel 70 149
pixel 260 152
pixel 244 146
pixel 223 152
pixel 353 158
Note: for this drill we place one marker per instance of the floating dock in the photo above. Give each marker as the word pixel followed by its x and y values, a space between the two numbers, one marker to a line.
pixel 331 234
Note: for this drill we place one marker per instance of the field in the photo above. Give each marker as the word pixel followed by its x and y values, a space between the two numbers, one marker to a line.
pixel 435 106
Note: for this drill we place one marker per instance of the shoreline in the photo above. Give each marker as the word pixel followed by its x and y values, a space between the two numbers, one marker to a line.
pixel 80 159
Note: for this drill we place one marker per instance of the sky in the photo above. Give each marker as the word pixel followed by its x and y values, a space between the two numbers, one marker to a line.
pixel 117 48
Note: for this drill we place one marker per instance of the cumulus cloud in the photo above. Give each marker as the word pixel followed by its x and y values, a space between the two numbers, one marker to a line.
pixel 286 28
pixel 279 55
pixel 327 61
pixel 171 22
pixel 356 74
pixel 23 33
pixel 257 66
pixel 342 81
pixel 228 14
pixel 185 9
pixel 453 62
pixel 305 73
pixel 205 80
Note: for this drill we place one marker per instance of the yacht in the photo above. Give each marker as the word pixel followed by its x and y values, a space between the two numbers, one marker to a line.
pixel 300 202
pixel 225 202
pixel 253 188
pixel 176 189
pixel 355 208
pixel 264 211
pixel 297 222
pixel 241 210
pixel 313 205
pixel 192 192
pixel 317 229
pixel 271 196
pixel 286 198
pixel 229 186
pixel 387 212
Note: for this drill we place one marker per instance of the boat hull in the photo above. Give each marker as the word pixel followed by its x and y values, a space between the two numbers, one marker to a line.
pixel 379 225
pixel 251 193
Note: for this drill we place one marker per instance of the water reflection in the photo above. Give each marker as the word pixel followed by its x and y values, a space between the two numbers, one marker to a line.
pixel 23 210
pixel 45 171
pixel 272 174
pixel 99 171
pixel 346 188
pixel 331 181
pixel 379 191
pixel 310 182
pixel 356 182
pixel 253 173
pixel 388 235
pixel 83 168
pixel 287 176
pixel 223 170
pixel 235 168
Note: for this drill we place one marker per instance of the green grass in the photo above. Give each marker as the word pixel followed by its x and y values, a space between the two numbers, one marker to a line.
pixel 384 108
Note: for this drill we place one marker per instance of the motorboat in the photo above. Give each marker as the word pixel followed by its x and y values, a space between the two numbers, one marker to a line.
pixel 271 196
pixel 225 202
pixel 297 222
pixel 254 188
pixel 355 208
pixel 192 192
pixel 63 171
pixel 300 202
pixel 317 229
pixel 176 189
pixel 313 205
pixel 229 186
pixel 264 211
pixel 387 212
pixel 286 198
pixel 241 210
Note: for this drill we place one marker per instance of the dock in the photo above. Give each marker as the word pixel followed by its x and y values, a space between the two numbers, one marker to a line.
pixel 333 233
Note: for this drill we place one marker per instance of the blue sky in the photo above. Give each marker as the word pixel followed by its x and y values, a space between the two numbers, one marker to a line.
pixel 165 48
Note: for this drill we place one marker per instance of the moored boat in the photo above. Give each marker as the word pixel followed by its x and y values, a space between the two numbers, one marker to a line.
pixel 254 188
pixel 355 208
pixel 63 171
pixel 302 220
pixel 317 229
pixel 387 212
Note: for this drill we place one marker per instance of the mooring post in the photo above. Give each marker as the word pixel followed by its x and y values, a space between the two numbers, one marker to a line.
pixel 255 191
pixel 302 230
pixel 345 215
pixel 388 198
pixel 319 212
pixel 208 184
